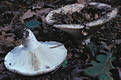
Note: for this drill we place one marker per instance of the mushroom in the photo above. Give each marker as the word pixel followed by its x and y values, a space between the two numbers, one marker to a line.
pixel 33 57
pixel 77 29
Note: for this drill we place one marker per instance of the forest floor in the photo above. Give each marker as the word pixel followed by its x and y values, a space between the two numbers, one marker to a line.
pixel 106 41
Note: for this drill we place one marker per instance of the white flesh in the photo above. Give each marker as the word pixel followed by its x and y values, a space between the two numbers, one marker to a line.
pixel 30 61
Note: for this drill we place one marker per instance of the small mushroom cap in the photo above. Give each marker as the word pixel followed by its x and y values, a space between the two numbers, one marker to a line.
pixel 74 29
pixel 45 57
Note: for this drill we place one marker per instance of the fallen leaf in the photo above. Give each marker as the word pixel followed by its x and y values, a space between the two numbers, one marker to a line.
pixel 118 41
pixel 1 50
pixel 2 36
pixel 18 42
pixel 65 63
pixel 39 5
pixel 111 46
pixel 3 33
pixel 102 68
pixel 96 16
pixel 10 39
pixel 43 11
pixel 92 47
pixel 26 15
pixel 10 35
pixel 81 1
pixel 43 19
pixel 69 56
pixel 2 67
pixel 119 73
pixel 6 28
pixel 32 24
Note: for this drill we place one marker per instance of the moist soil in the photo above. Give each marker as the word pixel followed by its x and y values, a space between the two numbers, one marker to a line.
pixel 87 14
pixel 80 55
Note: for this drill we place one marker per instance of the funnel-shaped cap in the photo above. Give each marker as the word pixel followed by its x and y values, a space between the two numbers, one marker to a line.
pixel 34 58
pixel 76 29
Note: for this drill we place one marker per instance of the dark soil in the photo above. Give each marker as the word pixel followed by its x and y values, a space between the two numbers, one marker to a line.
pixel 87 14
pixel 106 39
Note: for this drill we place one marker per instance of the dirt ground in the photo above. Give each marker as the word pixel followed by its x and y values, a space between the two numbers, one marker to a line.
pixel 14 14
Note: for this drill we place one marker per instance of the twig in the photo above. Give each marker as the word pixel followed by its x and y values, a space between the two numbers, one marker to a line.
pixel 56 46
pixel 11 23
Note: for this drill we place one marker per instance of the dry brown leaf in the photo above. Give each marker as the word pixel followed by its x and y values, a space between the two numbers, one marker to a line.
pixel 69 56
pixel 3 33
pixel 8 3
pixel 10 35
pixel 2 37
pixel 81 1
pixel 43 11
pixel 111 46
pixel 1 51
pixel 7 45
pixel 38 5
pixel 6 28
pixel 43 19
pixel 96 16
pixel 119 73
pixel 84 33
pixel 18 42
pixel 2 67
pixel 26 15
pixel 10 39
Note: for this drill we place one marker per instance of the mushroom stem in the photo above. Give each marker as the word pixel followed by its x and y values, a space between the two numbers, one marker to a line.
pixel 29 40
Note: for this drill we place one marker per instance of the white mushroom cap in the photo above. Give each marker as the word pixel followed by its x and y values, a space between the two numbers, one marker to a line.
pixel 74 29
pixel 35 57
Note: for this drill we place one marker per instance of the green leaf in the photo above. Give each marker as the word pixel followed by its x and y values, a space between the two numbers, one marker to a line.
pixel 101 58
pixel 65 63
pixel 105 77
pixel 93 48
pixel 102 68
pixel 32 24
pixel 95 70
